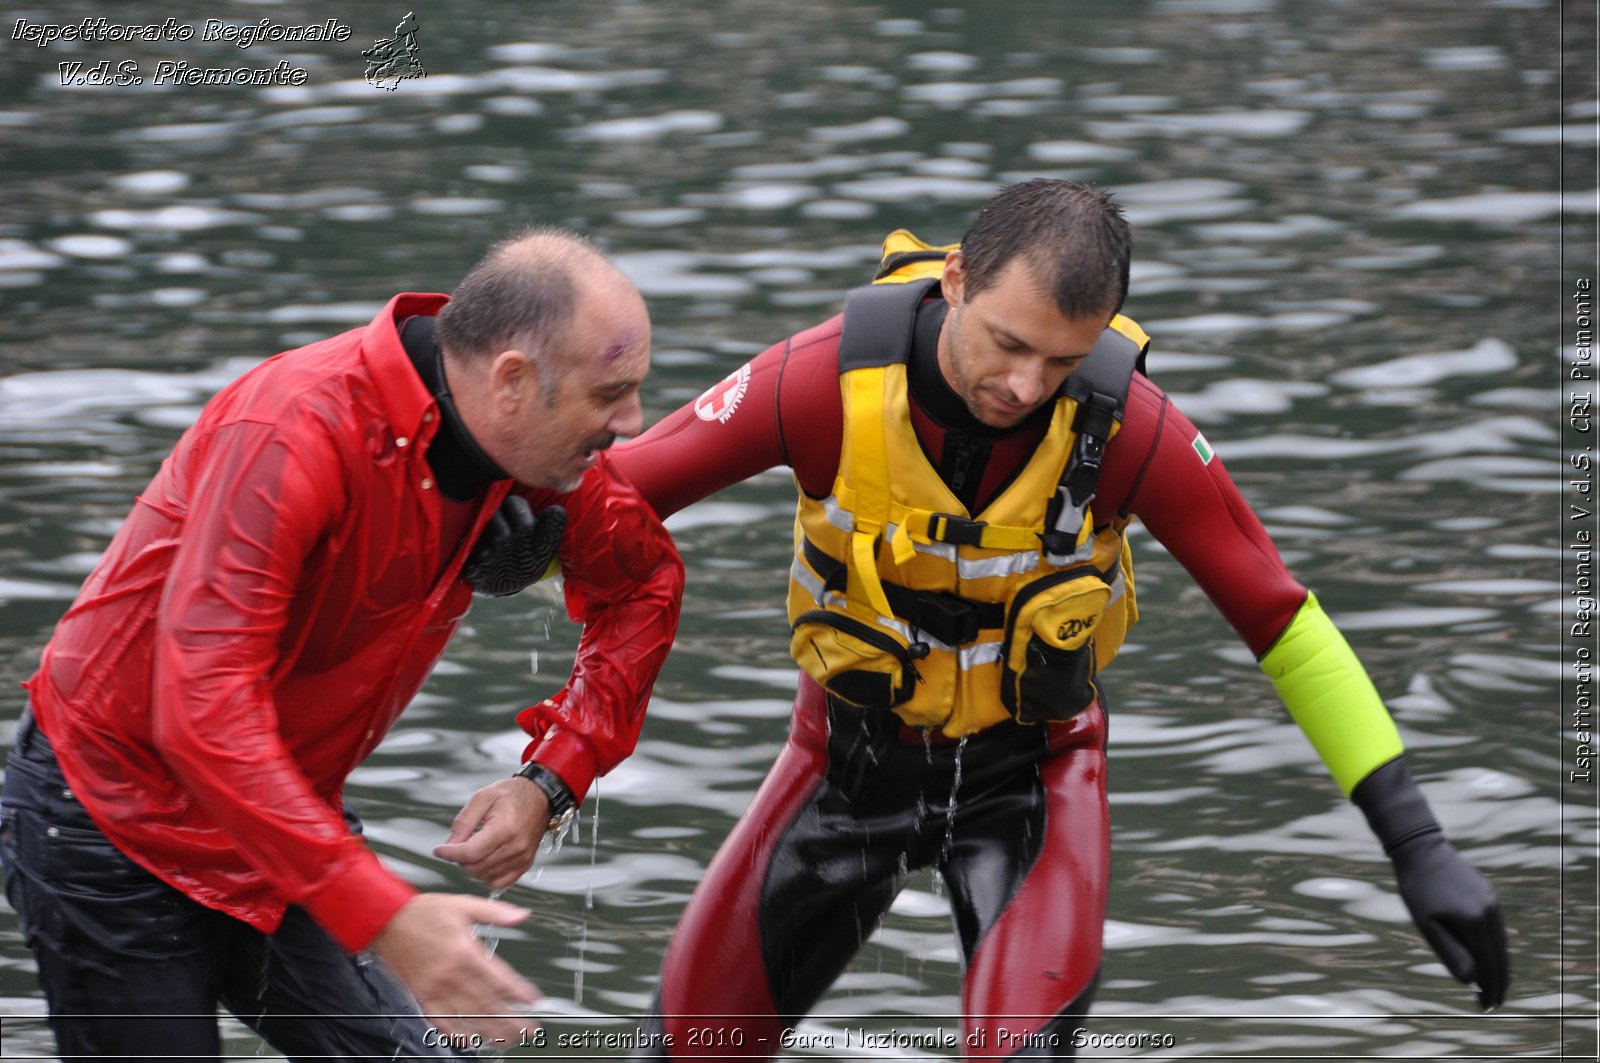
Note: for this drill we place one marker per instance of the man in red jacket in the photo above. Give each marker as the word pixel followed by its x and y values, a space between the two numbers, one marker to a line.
pixel 969 446
pixel 174 834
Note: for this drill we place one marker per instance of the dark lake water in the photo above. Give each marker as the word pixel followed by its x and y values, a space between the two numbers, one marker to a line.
pixel 1353 255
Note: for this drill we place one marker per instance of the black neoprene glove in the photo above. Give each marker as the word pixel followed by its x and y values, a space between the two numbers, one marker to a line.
pixel 1452 904
pixel 515 548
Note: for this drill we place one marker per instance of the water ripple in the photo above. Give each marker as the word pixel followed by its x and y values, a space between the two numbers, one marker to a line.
pixel 650 128
pixel 189 217
pixel 1502 208
pixel 1484 357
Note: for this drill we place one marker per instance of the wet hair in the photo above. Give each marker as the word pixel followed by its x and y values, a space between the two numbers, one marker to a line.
pixel 1074 238
pixel 522 294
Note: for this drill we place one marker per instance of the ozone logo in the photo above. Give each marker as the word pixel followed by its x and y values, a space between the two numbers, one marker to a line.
pixel 720 400
pixel 1071 629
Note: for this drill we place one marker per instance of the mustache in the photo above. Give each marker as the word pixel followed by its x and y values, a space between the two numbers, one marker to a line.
pixel 600 442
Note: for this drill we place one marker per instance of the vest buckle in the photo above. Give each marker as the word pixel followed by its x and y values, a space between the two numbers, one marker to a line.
pixel 958 531
pixel 951 619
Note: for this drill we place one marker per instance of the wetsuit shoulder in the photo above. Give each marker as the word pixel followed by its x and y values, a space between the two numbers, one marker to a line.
pixel 810 411
pixel 780 408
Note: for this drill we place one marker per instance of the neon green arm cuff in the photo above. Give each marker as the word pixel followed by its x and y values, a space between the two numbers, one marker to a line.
pixel 1328 694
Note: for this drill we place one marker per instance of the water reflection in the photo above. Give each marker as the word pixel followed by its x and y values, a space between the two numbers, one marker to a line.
pixel 1344 214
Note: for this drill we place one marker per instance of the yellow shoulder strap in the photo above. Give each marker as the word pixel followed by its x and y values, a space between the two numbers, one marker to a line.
pixel 868 474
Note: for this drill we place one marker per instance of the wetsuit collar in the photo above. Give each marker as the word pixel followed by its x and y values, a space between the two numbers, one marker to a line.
pixel 459 464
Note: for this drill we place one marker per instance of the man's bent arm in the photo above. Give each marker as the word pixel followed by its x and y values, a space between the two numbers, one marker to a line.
pixel 624 584
pixel 780 408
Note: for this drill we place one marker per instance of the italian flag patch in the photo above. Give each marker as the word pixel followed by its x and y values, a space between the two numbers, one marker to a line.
pixel 1202 448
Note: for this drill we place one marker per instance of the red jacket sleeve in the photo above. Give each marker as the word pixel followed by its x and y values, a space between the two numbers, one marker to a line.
pixel 1185 498
pixel 259 508
pixel 624 583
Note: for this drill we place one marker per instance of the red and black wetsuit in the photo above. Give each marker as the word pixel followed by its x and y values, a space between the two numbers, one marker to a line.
pixel 856 801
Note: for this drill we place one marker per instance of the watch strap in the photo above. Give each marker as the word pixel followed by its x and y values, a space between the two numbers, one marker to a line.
pixel 562 804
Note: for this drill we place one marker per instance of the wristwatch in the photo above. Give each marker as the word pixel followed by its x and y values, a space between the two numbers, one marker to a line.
pixel 562 805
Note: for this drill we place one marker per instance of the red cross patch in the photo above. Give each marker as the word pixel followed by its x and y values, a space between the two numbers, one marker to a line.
pixel 721 399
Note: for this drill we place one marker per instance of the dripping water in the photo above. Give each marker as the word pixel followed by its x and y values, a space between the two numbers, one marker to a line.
pixel 950 805
pixel 588 899
pixel 490 935
pixel 542 619
pixel 872 753
pixel 551 843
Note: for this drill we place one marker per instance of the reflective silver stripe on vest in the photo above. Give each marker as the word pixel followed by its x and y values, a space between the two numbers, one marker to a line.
pixel 1081 555
pixel 1019 563
pixel 980 653
pixel 801 573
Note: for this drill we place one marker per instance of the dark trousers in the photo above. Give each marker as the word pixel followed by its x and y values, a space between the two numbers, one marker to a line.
pixel 1016 821
pixel 134 969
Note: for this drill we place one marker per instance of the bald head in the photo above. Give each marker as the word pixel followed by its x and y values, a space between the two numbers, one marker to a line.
pixel 545 346
pixel 524 294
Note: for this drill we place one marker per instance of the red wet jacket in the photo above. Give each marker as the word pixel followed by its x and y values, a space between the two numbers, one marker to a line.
pixel 278 594
pixel 784 408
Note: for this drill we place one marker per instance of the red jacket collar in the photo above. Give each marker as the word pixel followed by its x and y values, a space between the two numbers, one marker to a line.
pixel 404 398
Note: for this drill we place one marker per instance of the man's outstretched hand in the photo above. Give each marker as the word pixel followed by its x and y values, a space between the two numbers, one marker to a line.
pixel 431 947
pixel 496 834
pixel 1457 911
pixel 1451 903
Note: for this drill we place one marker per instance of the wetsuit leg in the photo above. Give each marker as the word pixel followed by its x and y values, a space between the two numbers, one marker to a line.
pixel 1030 907
pixel 783 907
pixel 129 966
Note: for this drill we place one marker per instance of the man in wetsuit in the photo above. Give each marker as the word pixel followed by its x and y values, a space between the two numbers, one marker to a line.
pixel 967 460
pixel 174 834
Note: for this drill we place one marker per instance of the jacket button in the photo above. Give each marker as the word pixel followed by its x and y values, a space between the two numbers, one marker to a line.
pixel 402 441
pixel 427 484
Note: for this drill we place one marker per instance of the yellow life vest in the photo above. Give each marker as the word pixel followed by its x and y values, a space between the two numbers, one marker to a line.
pixel 900 599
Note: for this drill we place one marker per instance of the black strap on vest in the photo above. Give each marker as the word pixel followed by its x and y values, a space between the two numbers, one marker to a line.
pixel 950 618
pixel 878 323
pixel 1100 385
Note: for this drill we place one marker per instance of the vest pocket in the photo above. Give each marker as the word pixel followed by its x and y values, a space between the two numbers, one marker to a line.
pixel 858 663
pixel 1049 664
